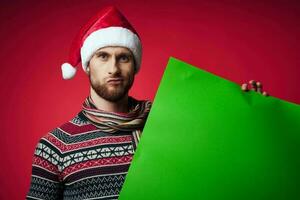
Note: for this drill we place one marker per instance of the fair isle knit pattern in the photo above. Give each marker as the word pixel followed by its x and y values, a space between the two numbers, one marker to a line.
pixel 78 161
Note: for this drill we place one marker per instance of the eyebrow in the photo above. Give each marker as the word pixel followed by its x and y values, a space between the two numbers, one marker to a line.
pixel 101 52
pixel 124 54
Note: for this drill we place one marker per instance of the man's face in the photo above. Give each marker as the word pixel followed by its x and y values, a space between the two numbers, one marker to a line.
pixel 112 72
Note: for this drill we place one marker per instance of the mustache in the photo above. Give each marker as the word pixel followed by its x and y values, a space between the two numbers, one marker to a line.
pixel 115 76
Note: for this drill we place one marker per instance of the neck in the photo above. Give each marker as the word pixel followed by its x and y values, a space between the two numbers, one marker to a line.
pixel 120 106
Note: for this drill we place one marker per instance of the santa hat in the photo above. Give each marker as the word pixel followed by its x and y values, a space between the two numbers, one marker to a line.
pixel 107 28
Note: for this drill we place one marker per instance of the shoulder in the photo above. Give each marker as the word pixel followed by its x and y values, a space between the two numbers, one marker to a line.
pixel 67 133
pixel 77 125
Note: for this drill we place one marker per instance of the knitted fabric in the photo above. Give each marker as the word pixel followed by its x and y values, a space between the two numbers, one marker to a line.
pixel 112 122
pixel 78 160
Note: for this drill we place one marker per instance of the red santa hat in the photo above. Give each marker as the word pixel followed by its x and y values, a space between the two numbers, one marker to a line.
pixel 107 28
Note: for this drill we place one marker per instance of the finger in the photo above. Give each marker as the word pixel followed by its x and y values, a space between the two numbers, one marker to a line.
pixel 244 87
pixel 253 85
pixel 265 93
pixel 259 87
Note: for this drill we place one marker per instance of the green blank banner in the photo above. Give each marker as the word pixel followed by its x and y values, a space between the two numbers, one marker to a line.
pixel 206 139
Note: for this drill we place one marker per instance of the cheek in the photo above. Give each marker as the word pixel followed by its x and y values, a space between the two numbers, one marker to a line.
pixel 96 71
pixel 96 75
pixel 128 75
pixel 128 70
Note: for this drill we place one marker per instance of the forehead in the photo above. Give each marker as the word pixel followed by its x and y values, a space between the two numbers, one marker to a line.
pixel 114 50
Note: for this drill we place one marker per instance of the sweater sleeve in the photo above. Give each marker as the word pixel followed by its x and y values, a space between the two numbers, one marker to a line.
pixel 46 183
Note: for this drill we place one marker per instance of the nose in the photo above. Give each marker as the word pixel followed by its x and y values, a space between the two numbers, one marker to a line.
pixel 113 67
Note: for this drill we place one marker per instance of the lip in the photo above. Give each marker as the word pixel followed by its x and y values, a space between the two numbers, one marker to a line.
pixel 114 80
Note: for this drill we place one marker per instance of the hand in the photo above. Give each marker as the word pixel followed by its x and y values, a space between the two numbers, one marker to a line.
pixel 255 86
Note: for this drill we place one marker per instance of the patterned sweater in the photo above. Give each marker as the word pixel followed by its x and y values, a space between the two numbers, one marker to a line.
pixel 79 161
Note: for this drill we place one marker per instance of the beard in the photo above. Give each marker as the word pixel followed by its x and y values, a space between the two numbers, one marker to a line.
pixel 112 93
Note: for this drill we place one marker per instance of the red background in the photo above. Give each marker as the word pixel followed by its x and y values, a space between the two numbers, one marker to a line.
pixel 238 40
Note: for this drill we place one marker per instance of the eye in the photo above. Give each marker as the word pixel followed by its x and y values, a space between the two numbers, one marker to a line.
pixel 124 58
pixel 103 56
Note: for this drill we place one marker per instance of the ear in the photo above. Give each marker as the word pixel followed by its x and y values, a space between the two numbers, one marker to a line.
pixel 88 70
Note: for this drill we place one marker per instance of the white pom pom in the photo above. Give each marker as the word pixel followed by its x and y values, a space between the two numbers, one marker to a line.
pixel 68 71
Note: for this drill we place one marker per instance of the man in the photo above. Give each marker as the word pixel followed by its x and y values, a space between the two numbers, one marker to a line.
pixel 88 157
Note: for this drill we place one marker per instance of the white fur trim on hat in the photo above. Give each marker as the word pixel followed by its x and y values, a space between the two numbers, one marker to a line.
pixel 111 36
pixel 68 71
